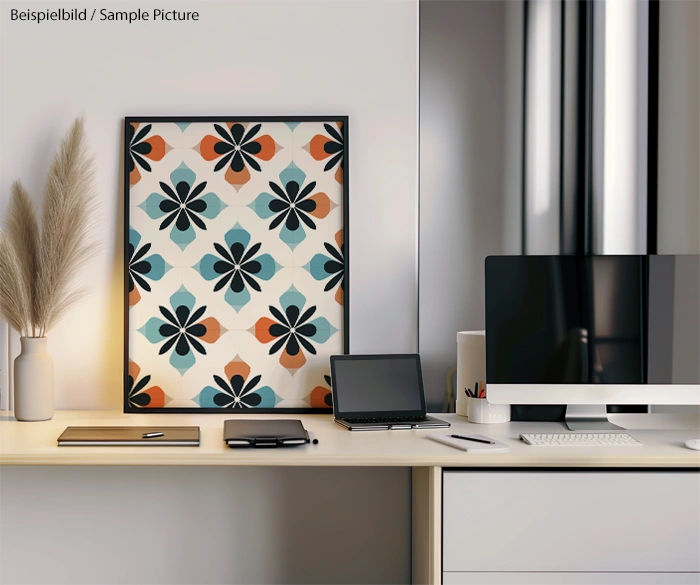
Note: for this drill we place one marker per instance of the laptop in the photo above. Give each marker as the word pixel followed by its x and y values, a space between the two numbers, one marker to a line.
pixel 379 393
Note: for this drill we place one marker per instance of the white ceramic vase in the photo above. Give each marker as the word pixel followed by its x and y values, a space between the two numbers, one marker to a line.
pixel 33 381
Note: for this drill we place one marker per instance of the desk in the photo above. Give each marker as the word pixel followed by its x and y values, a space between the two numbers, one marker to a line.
pixel 35 444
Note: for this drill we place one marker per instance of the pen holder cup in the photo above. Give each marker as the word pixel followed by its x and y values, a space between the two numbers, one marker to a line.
pixel 479 410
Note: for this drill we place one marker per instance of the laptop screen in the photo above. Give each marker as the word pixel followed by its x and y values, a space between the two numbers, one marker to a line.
pixel 377 384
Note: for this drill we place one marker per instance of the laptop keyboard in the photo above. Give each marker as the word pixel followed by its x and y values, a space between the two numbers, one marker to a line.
pixel 392 419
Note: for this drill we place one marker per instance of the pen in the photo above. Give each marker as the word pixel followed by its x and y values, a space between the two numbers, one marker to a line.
pixel 151 435
pixel 473 439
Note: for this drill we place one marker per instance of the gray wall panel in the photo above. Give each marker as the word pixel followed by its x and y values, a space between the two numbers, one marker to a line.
pixel 462 129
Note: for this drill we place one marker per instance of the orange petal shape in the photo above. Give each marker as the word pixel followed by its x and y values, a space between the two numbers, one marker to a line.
pixel 134 296
pixel 323 205
pixel 134 176
pixel 316 147
pixel 262 330
pixel 134 370
pixel 339 238
pixel 340 296
pixel 292 362
pixel 213 330
pixel 237 367
pixel 206 147
pixel 237 179
pixel 317 398
pixel 339 174
pixel 157 148
pixel 267 147
pixel 157 397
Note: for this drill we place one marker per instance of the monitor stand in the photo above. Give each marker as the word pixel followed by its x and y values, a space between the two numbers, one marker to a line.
pixel 589 417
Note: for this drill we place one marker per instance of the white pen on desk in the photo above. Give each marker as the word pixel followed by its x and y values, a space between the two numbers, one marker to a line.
pixel 151 435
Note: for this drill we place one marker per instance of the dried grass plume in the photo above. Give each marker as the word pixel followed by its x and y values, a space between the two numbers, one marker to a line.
pixel 38 266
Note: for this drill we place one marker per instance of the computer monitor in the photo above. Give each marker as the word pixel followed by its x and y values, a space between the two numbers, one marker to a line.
pixel 587 331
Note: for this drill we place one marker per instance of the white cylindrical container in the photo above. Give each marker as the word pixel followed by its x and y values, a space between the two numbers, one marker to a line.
pixel 33 381
pixel 479 410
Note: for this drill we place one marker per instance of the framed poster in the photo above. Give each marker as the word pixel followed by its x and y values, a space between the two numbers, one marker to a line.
pixel 236 240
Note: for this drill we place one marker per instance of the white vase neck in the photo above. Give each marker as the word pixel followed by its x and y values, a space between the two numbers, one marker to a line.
pixel 33 344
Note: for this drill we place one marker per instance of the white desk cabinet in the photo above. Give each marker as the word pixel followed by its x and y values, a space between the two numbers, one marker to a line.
pixel 561 526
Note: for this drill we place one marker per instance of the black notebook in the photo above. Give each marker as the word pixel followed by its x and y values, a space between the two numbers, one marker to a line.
pixel 264 433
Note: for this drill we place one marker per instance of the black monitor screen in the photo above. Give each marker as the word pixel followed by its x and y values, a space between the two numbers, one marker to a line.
pixel 370 384
pixel 593 319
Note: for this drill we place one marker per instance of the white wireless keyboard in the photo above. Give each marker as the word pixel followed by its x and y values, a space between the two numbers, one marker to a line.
pixel 578 439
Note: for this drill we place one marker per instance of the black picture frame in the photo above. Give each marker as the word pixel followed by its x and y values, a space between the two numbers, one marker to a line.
pixel 128 122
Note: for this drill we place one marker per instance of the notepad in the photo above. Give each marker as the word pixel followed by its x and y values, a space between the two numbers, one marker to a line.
pixel 471 446
pixel 154 436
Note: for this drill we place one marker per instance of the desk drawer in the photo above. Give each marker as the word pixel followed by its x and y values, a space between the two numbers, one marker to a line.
pixel 570 578
pixel 571 521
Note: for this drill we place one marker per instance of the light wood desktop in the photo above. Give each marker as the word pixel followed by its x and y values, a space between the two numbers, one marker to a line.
pixel 663 450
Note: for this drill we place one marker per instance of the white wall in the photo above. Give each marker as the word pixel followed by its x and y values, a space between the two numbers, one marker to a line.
pixel 462 148
pixel 266 58
pixel 294 57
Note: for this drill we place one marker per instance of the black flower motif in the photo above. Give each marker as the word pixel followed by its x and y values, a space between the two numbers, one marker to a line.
pixel 292 205
pixel 333 147
pixel 182 330
pixel 236 393
pixel 183 205
pixel 139 266
pixel 237 147
pixel 238 265
pixel 335 265
pixel 292 330
pixel 141 147
pixel 136 397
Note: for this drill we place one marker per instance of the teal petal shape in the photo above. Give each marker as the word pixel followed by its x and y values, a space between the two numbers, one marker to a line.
pixel 183 125
pixel 183 297
pixel 151 330
pixel 182 363
pixel 292 125
pixel 317 266
pixel 206 267
pixel 152 206
pixel 292 173
pixel 237 299
pixel 268 266
pixel 134 238
pixel 237 235
pixel 292 238
pixel 158 267
pixel 214 205
pixel 323 330
pixel 269 398
pixel 205 398
pixel 183 239
pixel 182 173
pixel 261 205
pixel 292 297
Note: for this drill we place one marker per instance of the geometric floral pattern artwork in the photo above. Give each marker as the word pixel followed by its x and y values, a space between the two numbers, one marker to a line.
pixel 235 262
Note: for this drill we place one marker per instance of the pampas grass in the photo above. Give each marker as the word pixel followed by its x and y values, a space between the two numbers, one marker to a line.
pixel 37 267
